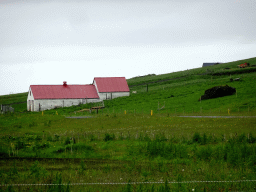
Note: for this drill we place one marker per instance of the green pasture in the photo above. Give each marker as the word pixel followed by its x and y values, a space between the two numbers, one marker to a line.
pixel 180 94
pixel 140 138
pixel 114 147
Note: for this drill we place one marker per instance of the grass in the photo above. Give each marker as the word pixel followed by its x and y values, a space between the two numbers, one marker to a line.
pixel 138 158
pixel 150 148
pixel 137 146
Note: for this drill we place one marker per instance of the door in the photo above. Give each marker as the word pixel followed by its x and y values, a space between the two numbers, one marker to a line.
pixel 33 107
pixel 29 105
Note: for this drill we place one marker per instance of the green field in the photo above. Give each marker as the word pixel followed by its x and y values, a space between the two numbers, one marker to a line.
pixel 114 147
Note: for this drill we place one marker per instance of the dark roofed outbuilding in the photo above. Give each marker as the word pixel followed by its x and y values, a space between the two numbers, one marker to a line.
pixel 209 64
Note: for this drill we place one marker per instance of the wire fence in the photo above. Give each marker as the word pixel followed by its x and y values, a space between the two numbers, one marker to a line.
pixel 238 185
pixel 125 183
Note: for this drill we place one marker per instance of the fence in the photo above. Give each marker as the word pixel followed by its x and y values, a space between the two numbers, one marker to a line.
pixel 164 186
pixel 6 108
pixel 164 108
pixel 156 82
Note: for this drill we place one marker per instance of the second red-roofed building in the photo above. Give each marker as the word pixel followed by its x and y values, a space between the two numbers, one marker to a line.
pixel 111 87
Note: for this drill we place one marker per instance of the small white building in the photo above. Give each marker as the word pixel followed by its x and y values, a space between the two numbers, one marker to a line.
pixel 111 87
pixel 43 97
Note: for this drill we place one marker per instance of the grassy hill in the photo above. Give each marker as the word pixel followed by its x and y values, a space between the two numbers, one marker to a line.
pixel 114 147
pixel 179 91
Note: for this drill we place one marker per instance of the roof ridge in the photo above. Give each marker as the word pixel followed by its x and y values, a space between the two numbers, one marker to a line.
pixel 62 85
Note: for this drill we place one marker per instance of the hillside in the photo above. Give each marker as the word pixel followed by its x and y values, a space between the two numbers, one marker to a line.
pixel 198 154
pixel 179 92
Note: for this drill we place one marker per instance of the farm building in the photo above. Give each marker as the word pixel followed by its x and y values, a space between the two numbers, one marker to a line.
pixel 43 97
pixel 209 64
pixel 111 87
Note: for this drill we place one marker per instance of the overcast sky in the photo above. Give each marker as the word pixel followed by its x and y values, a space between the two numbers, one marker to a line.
pixel 51 41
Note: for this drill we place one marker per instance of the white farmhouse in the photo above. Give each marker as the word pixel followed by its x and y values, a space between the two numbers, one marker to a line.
pixel 43 97
pixel 111 87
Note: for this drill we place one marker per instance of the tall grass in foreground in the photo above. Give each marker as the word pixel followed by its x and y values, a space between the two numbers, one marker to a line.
pixel 201 157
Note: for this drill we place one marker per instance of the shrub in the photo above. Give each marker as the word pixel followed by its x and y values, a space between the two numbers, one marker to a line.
pixel 79 147
pixel 49 138
pixel 41 146
pixel 56 138
pixel 242 138
pixel 92 138
pixel 67 141
pixel 60 150
pixel 251 139
pixel 204 139
pixel 204 152
pixel 196 138
pixel 3 153
pixel 109 137
pixel 20 145
pixel 160 137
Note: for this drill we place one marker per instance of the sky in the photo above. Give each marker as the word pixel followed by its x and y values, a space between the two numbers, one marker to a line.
pixel 51 41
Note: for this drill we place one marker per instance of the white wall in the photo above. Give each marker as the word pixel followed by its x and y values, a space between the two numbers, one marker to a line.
pixel 30 99
pixel 104 96
pixel 46 104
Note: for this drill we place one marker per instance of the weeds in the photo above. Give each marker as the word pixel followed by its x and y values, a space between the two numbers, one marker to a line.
pixel 109 137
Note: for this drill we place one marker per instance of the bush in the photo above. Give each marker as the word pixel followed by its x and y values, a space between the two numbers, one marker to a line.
pixel 56 137
pixel 242 138
pixel 196 138
pixel 20 145
pixel 3 153
pixel 60 150
pixel 67 141
pixel 251 139
pixel 92 138
pixel 109 137
pixel 49 138
pixel 204 153
pixel 160 137
pixel 79 147
pixel 41 146
pixel 204 139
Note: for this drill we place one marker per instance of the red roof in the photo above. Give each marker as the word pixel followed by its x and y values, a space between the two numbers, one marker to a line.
pixel 111 84
pixel 64 92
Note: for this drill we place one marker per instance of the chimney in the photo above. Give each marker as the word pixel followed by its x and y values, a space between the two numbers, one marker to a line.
pixel 65 83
